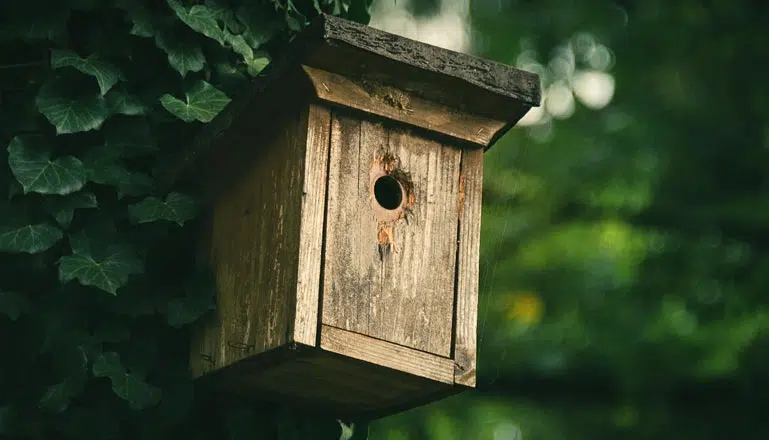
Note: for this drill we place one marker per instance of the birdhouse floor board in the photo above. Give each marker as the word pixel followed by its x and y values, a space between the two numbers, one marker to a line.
pixel 328 382
pixel 387 354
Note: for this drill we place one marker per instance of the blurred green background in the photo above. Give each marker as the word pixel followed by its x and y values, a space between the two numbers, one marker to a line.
pixel 625 240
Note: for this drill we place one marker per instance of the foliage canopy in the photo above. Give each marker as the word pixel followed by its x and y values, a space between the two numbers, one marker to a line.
pixel 97 283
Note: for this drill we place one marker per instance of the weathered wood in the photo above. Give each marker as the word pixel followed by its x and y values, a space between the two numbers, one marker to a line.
pixel 254 248
pixel 327 382
pixel 461 81
pixel 391 278
pixel 387 354
pixel 467 267
pixel 315 175
pixel 390 102
pixel 344 201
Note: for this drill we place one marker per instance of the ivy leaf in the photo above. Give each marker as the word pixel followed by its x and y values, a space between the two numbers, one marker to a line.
pixel 226 15
pixel 347 430
pixel 261 23
pixel 28 238
pixel 203 103
pixel 256 65
pixel 200 18
pixel 183 56
pixel 138 393
pixel 103 167
pixel 199 300
pixel 142 22
pixel 183 311
pixel 128 387
pixel 70 112
pixel 13 304
pixel 120 102
pixel 57 398
pixel 108 365
pixel 177 208
pixel 108 270
pixel 63 208
pixel 359 11
pixel 239 45
pixel 30 161
pixel 105 73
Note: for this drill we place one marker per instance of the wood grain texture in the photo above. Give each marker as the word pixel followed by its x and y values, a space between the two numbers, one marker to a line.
pixel 482 73
pixel 305 323
pixel 387 354
pixel 467 268
pixel 404 292
pixel 254 246
pixel 395 104
pixel 338 385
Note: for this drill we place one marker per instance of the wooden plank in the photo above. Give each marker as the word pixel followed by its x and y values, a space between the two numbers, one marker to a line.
pixel 467 267
pixel 311 230
pixel 468 74
pixel 387 354
pixel 338 385
pixel 395 104
pixel 391 279
pixel 254 246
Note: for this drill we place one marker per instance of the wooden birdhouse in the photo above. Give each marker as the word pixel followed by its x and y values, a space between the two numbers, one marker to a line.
pixel 344 216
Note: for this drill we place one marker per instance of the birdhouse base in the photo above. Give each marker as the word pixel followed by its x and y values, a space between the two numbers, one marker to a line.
pixel 348 375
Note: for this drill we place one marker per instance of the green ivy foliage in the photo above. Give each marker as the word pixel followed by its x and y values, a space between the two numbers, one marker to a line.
pixel 97 284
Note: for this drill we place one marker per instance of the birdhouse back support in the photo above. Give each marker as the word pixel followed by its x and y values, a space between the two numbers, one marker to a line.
pixel 344 193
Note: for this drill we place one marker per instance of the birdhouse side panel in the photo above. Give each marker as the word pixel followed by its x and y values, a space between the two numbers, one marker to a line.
pixel 254 244
pixel 391 235
pixel 471 187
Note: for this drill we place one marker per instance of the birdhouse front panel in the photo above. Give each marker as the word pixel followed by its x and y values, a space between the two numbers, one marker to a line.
pixel 391 233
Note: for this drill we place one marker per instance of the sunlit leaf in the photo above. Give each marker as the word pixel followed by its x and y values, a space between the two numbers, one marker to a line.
pixel 120 102
pixel 183 56
pixel 105 73
pixel 200 18
pixel 202 103
pixel 108 270
pixel 71 112
pixel 30 161
pixel 177 208
pixel 29 239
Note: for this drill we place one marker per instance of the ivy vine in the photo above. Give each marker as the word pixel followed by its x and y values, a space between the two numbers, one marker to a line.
pixel 97 283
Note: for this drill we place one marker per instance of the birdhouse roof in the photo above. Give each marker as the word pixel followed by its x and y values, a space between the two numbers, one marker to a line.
pixel 457 82
pixel 465 82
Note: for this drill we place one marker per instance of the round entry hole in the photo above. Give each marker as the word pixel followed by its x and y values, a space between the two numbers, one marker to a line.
pixel 388 192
